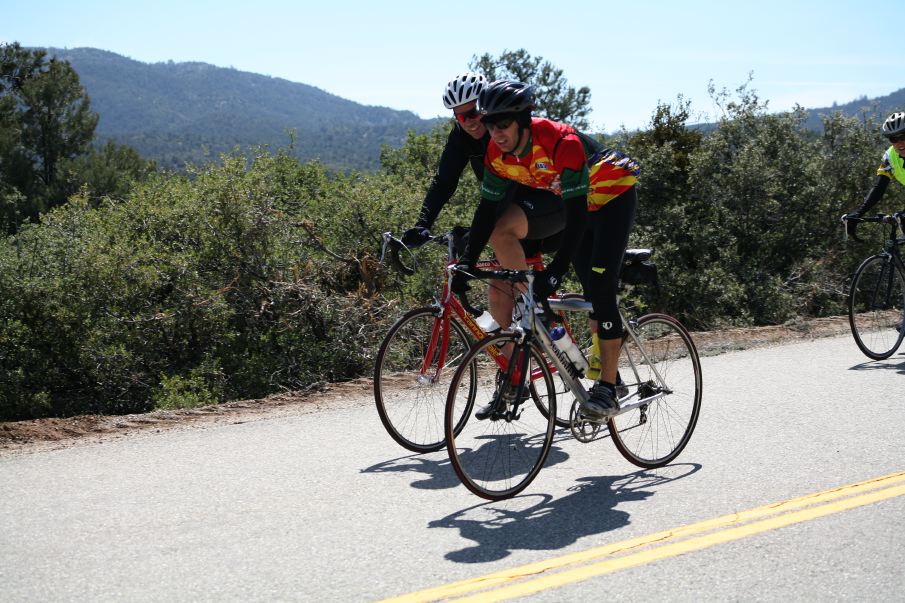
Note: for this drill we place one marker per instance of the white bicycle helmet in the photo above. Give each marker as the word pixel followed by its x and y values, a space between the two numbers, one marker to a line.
pixel 463 89
pixel 894 125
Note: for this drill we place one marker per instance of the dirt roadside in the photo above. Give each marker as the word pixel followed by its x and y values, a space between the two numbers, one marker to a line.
pixel 47 434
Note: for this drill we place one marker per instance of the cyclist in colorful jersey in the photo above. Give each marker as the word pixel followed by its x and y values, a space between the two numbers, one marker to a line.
pixel 891 167
pixel 597 189
pixel 467 145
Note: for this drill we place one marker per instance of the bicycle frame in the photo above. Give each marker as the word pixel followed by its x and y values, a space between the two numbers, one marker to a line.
pixel 890 251
pixel 448 306
pixel 571 379
pixel 895 264
pixel 529 328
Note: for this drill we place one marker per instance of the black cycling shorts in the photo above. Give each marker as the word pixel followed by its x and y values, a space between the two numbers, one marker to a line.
pixel 546 216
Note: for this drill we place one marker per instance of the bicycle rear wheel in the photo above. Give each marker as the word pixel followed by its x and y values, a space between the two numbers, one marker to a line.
pixel 498 457
pixel 876 307
pixel 409 386
pixel 655 433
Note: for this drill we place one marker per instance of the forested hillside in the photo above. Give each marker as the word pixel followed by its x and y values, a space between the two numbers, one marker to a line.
pixel 877 108
pixel 175 112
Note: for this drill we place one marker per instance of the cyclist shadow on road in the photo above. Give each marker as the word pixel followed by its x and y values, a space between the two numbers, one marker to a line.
pixel 437 471
pixel 895 363
pixel 541 522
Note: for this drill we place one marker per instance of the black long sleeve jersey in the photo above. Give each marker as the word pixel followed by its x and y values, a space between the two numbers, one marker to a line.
pixel 461 150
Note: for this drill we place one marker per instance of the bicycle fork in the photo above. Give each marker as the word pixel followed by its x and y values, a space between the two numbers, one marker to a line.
pixel 512 385
pixel 439 334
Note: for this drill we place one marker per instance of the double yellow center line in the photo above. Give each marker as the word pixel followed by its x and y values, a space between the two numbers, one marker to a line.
pixel 568 569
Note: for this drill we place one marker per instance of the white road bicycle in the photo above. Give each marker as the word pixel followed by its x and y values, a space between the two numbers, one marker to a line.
pixel 499 456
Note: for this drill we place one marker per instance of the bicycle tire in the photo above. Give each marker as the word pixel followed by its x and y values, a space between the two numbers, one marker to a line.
pixel 876 307
pixel 653 435
pixel 498 457
pixel 411 404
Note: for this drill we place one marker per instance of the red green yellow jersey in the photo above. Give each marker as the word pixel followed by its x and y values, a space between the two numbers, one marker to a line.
pixel 560 159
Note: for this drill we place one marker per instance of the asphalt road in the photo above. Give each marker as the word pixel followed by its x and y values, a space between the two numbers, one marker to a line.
pixel 324 506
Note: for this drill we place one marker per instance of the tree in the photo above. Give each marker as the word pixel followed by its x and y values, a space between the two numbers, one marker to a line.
pixel 556 100
pixel 45 118
pixel 106 171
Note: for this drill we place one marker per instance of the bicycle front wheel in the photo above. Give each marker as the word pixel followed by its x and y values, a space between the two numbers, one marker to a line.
pixel 411 376
pixel 662 367
pixel 496 457
pixel 876 307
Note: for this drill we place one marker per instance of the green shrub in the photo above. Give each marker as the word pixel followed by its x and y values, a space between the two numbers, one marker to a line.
pixel 232 281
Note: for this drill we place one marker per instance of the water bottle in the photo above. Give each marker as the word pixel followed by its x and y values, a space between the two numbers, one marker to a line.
pixel 562 341
pixel 486 322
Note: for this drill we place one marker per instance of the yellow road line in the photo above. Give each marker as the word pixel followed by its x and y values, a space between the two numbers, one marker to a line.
pixel 679 548
pixel 664 541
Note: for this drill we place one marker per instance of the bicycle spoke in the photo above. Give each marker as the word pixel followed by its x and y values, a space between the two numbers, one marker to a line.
pixel 497 457
pixel 654 434
pixel 877 307
pixel 409 390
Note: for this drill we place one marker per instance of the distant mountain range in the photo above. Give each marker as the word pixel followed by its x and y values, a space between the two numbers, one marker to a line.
pixel 178 112
pixel 879 108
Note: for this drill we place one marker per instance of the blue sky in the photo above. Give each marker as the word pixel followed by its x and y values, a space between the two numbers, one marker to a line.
pixel 400 53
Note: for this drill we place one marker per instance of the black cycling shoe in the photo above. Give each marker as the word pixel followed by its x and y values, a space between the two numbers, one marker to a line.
pixel 485 411
pixel 602 404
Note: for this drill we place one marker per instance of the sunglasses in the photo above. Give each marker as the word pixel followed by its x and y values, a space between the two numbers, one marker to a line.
pixel 499 125
pixel 466 115
pixel 897 138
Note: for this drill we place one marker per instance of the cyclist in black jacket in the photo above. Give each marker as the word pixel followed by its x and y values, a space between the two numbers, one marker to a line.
pixel 892 167
pixel 467 145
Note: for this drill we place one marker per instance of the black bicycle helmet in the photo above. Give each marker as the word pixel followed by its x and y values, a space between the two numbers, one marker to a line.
pixel 505 97
pixel 893 126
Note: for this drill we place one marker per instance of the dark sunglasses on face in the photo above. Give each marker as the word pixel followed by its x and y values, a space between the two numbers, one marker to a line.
pixel 466 115
pixel 499 125
pixel 897 138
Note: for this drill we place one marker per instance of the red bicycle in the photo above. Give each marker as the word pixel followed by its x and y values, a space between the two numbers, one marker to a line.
pixel 425 347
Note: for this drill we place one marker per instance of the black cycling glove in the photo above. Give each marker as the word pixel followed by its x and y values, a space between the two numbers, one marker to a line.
pixel 416 236
pixel 546 283
pixel 459 282
pixel 851 226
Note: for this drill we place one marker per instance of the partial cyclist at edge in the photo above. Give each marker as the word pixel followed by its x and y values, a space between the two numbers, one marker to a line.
pixel 467 145
pixel 892 166
pixel 596 188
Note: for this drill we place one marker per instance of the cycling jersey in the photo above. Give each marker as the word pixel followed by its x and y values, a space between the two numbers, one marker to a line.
pixel 461 150
pixel 560 159
pixel 892 166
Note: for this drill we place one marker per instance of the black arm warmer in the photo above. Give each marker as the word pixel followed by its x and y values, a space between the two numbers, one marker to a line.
pixel 481 227
pixel 444 183
pixel 576 217
pixel 874 194
pixel 460 150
